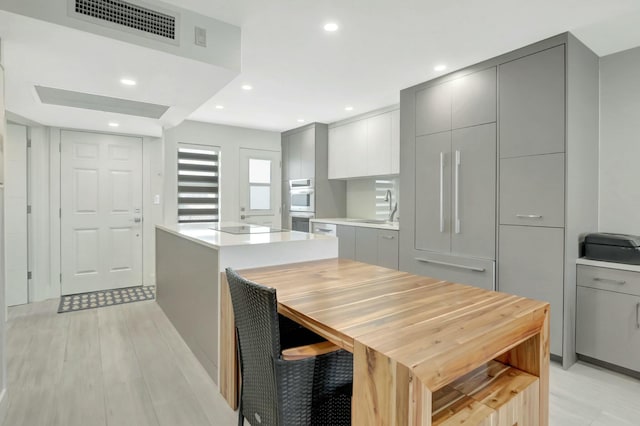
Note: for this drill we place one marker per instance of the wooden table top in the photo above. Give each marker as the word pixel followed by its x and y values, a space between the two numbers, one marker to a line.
pixel 440 330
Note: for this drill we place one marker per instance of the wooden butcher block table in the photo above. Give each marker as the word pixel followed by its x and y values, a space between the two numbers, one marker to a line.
pixel 425 351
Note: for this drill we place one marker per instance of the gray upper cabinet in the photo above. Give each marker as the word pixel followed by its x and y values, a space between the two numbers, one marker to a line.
pixel 532 190
pixel 473 99
pixel 433 109
pixel 301 154
pixel 532 104
pixel 474 191
pixel 433 192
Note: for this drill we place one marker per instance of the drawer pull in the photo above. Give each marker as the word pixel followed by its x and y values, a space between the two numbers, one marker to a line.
pixel 638 315
pixel 388 237
pixel 453 265
pixel 607 280
pixel 324 230
pixel 529 216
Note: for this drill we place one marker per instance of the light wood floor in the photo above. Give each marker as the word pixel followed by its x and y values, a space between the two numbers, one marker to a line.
pixel 126 365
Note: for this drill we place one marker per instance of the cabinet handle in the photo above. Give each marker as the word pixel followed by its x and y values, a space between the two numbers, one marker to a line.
pixel 608 280
pixel 442 192
pixel 388 237
pixel 457 193
pixel 638 315
pixel 324 230
pixel 453 265
pixel 529 216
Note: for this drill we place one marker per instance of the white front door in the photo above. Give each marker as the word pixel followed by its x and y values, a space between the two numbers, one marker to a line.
pixel 101 212
pixel 259 187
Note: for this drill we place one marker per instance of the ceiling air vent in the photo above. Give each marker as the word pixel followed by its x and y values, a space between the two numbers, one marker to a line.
pixel 129 15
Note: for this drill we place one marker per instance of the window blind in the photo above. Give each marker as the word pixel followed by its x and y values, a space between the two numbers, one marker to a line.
pixel 382 206
pixel 198 184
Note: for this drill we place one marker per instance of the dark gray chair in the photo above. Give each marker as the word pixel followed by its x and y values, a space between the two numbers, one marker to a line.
pixel 276 391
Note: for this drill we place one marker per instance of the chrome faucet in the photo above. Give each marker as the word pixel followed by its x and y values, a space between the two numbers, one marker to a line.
pixel 392 211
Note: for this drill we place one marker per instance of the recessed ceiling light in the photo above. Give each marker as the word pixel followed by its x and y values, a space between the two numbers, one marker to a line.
pixel 331 27
pixel 219 106
pixel 247 87
pixel 440 67
pixel 114 124
pixel 348 108
pixel 300 120
pixel 128 81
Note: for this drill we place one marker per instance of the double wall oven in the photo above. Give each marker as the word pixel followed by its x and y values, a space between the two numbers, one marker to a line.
pixel 302 202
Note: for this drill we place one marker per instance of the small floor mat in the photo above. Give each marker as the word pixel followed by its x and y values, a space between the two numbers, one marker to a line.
pixel 99 299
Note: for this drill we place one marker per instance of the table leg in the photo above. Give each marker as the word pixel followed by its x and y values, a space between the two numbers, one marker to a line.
pixel 229 378
pixel 383 392
pixel 532 356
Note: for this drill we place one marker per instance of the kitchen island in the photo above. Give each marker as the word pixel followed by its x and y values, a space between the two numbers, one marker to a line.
pixel 426 351
pixel 190 258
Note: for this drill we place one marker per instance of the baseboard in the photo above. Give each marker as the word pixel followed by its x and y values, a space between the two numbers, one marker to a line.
pixel 4 404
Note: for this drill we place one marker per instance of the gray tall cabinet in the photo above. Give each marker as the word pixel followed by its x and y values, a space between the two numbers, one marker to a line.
pixel 448 154
pixel 500 175
pixel 305 155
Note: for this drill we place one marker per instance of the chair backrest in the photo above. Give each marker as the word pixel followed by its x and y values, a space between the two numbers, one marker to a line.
pixel 255 310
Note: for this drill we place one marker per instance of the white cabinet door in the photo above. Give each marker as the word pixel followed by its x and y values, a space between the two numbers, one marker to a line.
pixel 379 145
pixel 337 153
pixel 347 150
pixel 395 142
pixel 367 147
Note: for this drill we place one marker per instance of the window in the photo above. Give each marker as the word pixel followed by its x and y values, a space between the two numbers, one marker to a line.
pixel 259 184
pixel 382 206
pixel 198 184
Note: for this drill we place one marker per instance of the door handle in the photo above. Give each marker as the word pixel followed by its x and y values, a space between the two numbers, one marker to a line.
pixel 529 216
pixel 442 192
pixel 608 280
pixel 453 265
pixel 457 194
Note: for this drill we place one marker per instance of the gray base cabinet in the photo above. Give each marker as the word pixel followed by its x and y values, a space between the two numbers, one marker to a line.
pixel 608 316
pixel 377 247
pixel 346 242
pixel 531 264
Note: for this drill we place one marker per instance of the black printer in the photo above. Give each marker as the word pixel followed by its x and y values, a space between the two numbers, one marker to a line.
pixel 619 248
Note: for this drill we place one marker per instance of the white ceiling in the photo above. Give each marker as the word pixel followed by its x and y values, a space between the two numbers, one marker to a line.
pixel 298 71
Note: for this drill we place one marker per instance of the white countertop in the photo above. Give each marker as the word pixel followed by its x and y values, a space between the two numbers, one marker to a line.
pixel 610 265
pixel 203 234
pixel 395 226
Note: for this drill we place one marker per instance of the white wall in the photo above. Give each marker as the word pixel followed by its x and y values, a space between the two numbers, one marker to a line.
pixel 230 139
pixel 15 193
pixel 620 142
pixel 361 197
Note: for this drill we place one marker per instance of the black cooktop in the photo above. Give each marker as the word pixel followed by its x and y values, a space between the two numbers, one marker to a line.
pixel 246 229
